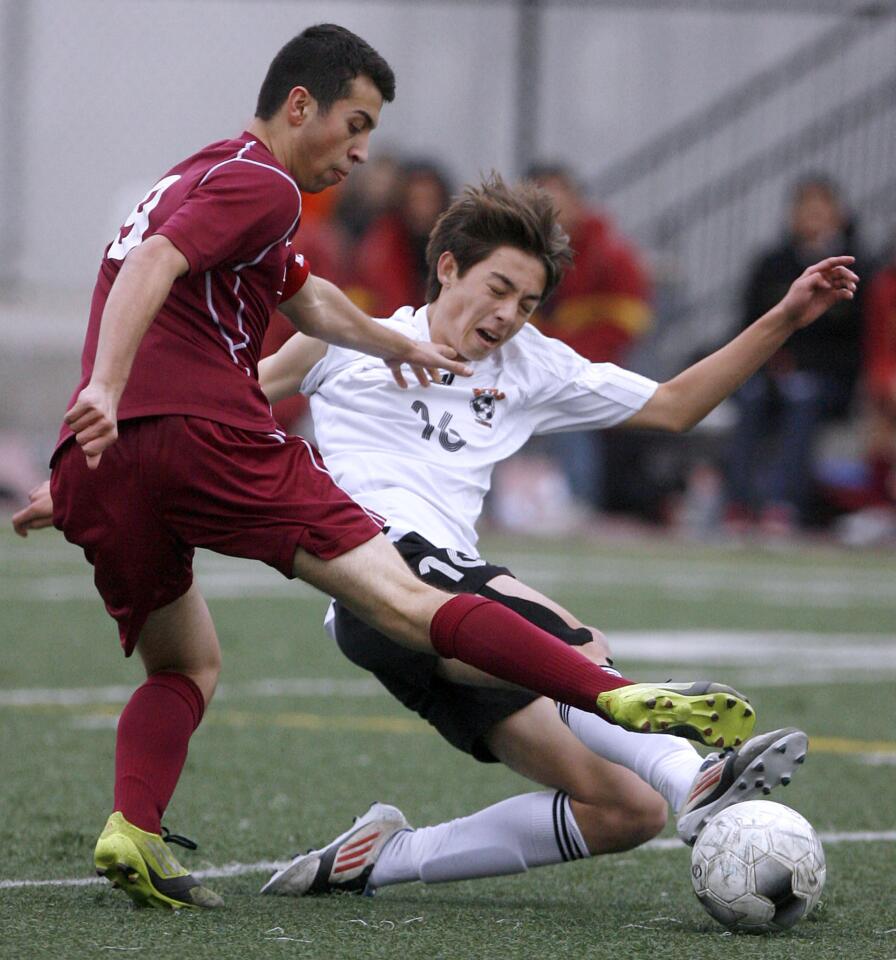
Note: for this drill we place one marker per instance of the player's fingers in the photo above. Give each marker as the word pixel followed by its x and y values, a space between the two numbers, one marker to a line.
pixel 81 410
pixel 398 375
pixel 41 490
pixel 21 520
pixel 79 418
pixel 421 374
pixel 93 460
pixel 448 360
pixel 102 431
pixel 456 366
pixel 828 264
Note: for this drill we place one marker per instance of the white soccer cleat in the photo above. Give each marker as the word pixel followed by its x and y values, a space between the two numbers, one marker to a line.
pixel 346 863
pixel 732 776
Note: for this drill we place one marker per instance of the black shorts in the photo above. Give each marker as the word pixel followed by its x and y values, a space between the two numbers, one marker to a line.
pixel 462 714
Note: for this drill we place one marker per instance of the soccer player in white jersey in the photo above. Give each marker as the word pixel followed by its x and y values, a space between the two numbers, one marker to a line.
pixel 423 460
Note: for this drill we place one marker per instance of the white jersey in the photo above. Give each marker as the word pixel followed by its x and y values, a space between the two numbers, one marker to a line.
pixel 422 458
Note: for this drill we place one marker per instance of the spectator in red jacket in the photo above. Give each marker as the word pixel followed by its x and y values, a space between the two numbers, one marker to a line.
pixel 600 309
pixel 389 269
pixel 880 379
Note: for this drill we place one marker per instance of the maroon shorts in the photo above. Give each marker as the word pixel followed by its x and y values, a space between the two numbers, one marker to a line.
pixel 173 483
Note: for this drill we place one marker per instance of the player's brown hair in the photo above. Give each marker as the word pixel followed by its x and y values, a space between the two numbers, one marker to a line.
pixel 324 59
pixel 494 215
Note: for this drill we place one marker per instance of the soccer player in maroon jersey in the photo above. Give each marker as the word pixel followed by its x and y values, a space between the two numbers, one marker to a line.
pixel 169 444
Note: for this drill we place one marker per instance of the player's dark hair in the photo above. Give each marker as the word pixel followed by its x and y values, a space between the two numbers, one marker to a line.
pixel 496 215
pixel 324 59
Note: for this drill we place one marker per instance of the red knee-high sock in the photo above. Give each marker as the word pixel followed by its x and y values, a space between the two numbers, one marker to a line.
pixel 499 641
pixel 153 733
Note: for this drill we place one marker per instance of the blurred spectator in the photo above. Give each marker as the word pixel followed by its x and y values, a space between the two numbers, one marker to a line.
pixel 880 379
pixel 601 308
pixel 389 268
pixel 369 192
pixel 810 380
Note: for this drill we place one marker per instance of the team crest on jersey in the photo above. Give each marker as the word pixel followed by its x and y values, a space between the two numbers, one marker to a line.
pixel 483 404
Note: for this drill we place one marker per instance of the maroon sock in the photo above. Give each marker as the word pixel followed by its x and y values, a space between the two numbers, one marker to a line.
pixel 499 641
pixel 153 733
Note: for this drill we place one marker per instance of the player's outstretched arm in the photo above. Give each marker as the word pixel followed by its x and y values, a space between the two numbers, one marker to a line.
pixel 281 374
pixel 39 512
pixel 685 400
pixel 139 290
pixel 321 310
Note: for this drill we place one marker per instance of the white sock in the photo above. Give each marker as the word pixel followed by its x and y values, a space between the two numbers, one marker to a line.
pixel 669 764
pixel 530 830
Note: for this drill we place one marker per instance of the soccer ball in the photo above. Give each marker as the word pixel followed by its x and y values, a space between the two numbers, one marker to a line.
pixel 758 867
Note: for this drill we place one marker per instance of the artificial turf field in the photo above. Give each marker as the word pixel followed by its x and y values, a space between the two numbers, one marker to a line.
pixel 299 741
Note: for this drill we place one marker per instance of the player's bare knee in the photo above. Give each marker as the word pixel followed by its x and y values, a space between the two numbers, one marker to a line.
pixel 626 821
pixel 599 648
pixel 637 818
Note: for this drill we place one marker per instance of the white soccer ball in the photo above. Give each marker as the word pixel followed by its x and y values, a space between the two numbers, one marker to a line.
pixel 758 867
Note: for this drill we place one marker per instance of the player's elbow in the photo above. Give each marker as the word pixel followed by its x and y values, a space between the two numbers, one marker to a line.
pixel 670 411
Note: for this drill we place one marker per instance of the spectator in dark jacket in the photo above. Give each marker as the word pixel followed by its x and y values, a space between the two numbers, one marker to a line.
pixel 810 380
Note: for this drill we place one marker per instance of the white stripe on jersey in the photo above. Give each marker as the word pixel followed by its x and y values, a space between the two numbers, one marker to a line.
pixel 232 346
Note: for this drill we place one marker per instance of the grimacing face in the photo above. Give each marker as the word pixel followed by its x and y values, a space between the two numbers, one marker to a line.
pixel 326 146
pixel 477 312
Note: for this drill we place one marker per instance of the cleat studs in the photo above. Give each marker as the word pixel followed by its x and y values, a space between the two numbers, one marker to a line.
pixel 737 741
pixel 801 759
pixel 719 742
pixel 645 727
pixel 785 780
pixel 759 767
pixel 711 702
pixel 668 705
pixel 730 703
pixel 650 703
pixel 742 786
pixel 759 783
pixel 664 724
pixel 707 732
pixel 714 717
pixel 782 748
pixel 748 712
pixel 766 790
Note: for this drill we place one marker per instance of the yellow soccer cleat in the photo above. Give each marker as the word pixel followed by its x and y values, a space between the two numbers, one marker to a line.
pixel 141 864
pixel 708 712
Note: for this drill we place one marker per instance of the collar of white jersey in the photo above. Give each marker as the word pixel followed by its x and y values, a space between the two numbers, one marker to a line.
pixel 420 319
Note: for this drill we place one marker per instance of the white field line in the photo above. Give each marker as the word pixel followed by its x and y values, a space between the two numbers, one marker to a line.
pixel 771 585
pixel 770 659
pixel 298 687
pixel 263 866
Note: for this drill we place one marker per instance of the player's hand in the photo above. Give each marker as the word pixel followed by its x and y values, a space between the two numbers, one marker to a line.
pixel 38 514
pixel 425 361
pixel 818 288
pixel 94 422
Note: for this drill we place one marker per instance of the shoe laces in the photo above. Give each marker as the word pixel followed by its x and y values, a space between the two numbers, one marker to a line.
pixel 170 837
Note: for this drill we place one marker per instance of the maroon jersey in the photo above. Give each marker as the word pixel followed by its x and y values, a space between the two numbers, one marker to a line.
pixel 231 209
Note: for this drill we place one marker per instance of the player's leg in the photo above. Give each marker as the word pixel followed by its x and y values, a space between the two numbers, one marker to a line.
pixel 694 787
pixel 593 807
pixel 143 572
pixel 374 582
pixel 179 648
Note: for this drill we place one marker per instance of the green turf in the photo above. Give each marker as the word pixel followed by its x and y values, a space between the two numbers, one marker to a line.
pixel 269 775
